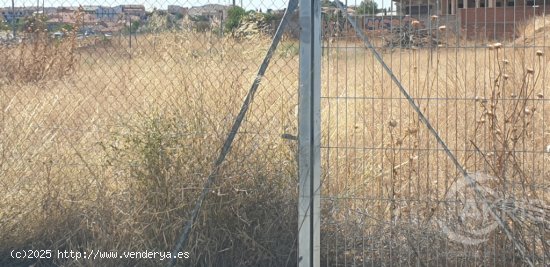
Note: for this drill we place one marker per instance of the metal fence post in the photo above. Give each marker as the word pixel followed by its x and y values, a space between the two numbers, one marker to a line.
pixel 309 117
pixel 13 22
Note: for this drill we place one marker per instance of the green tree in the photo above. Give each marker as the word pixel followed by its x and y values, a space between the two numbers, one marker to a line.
pixel 199 18
pixel 234 17
pixel 134 26
pixel 67 27
pixel 329 3
pixel 367 7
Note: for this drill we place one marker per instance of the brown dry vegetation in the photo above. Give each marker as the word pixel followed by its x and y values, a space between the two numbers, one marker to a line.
pixel 382 165
pixel 534 32
pixel 112 155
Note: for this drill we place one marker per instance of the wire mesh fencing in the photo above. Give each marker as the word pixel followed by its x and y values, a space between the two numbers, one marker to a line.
pixel 434 134
pixel 113 115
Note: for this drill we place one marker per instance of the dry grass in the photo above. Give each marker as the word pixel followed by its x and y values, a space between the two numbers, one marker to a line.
pixel 112 154
pixel 38 57
pixel 534 32
pixel 385 174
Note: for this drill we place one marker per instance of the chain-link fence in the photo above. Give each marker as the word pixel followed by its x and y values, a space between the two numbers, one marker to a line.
pixel 113 114
pixel 434 133
pixel 125 123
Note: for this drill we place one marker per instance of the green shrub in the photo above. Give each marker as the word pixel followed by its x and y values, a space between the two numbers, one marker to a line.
pixel 367 7
pixel 234 17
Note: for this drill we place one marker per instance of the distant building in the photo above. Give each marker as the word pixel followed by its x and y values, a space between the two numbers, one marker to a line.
pixel 67 15
pixel 132 10
pixel 92 10
pixel 210 11
pixel 99 13
pixel 106 13
pixel 492 19
pixel 178 10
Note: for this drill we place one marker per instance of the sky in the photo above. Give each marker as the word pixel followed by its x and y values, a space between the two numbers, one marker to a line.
pixel 162 4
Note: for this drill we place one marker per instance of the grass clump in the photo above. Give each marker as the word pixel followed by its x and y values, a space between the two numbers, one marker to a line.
pixel 248 217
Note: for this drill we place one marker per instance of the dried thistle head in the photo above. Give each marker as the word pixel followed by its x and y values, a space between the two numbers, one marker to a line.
pixel 392 123
pixel 412 130
pixel 442 28
pixel 530 70
pixel 539 53
pixel 540 95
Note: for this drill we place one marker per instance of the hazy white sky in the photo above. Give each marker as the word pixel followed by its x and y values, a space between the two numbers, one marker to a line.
pixel 149 4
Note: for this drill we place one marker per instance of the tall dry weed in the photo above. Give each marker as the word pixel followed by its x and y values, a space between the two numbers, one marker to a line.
pixel 40 56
